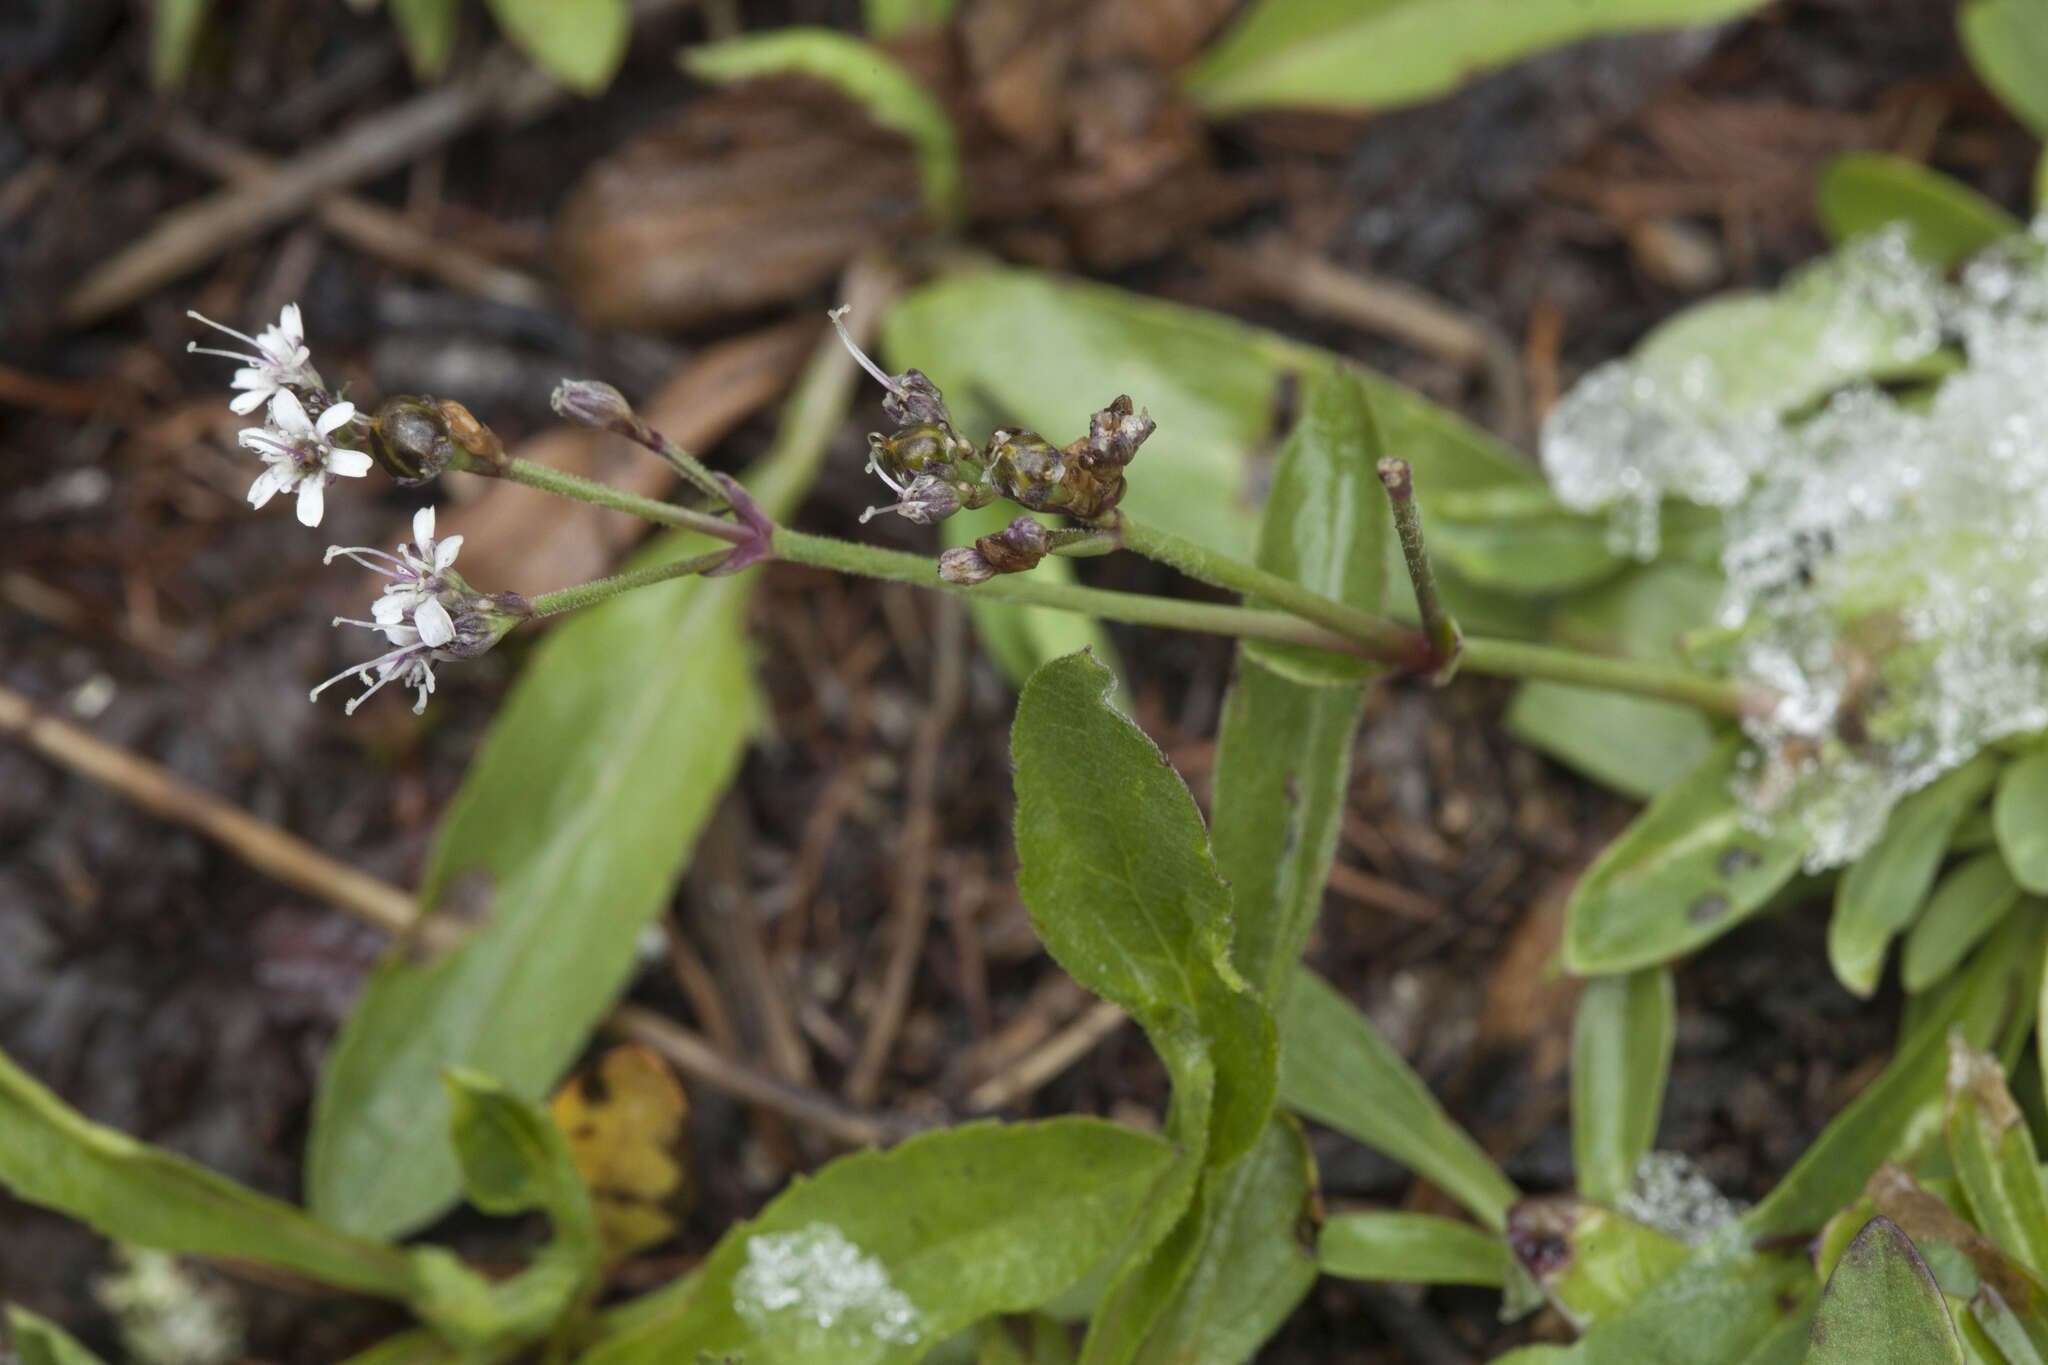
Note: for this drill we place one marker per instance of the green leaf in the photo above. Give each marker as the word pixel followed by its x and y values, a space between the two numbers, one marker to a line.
pixel 1519 541
pixel 1066 347
pixel 890 18
pixel 1991 1001
pixel 1327 523
pixel 1283 765
pixel 1685 872
pixel 579 42
pixel 1117 874
pixel 1621 1056
pixel 995 1342
pixel 884 1254
pixel 1966 905
pixel 1946 220
pixel 1411 1248
pixel 1727 1305
pixel 427 28
pixel 1335 1068
pixel 38 1341
pixel 1879 893
pixel 866 75
pixel 1244 1267
pixel 1634 745
pixel 1881 1307
pixel 1375 54
pixel 1592 1263
pixel 1994 1157
pixel 2019 817
pixel 1018 636
pixel 131 1192
pixel 2007 42
pixel 173 39
pixel 581 809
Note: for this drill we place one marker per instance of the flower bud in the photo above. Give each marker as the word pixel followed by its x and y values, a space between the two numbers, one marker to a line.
pixel 1115 433
pixel 594 403
pixel 965 566
pixel 929 498
pixel 409 439
pixel 922 448
pixel 1017 547
pixel 913 400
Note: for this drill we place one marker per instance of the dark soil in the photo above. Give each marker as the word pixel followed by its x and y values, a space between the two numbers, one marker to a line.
pixel 166 989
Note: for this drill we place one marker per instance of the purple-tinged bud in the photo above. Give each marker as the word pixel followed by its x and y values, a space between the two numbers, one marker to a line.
pixel 927 498
pixel 594 403
pixel 965 567
pixel 1115 433
pixel 1017 547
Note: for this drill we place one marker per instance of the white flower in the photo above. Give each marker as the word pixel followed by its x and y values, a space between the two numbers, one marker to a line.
pixel 299 453
pixel 410 663
pixel 279 360
pixel 419 573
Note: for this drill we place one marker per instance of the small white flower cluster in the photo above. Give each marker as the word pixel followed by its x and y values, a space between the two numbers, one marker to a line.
pixel 412 612
pixel 426 613
pixel 299 449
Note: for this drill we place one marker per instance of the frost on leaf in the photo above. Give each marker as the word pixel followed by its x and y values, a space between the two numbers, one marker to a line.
pixel 1883 545
pixel 814 1285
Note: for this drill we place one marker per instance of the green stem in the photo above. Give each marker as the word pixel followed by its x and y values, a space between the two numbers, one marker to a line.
pixel 597 590
pixel 1207 618
pixel 1438 628
pixel 1661 682
pixel 604 495
pixel 1383 639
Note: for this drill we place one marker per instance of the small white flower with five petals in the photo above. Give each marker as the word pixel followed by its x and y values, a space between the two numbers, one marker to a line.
pixel 419 573
pixel 413 613
pixel 277 359
pixel 300 453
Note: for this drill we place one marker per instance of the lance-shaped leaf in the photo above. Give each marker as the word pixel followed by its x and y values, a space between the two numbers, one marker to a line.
pixel 54 1156
pixel 1327 524
pixel 1994 1156
pixel 1966 905
pixel 1685 872
pixel 579 813
pixel 1241 1264
pixel 1881 1307
pixel 1592 1263
pixel 884 1254
pixel 1411 1248
pixel 1117 874
pixel 865 74
pixel 2019 818
pixel 1375 54
pixel 1878 895
pixel 1992 1001
pixel 38 1341
pixel 1336 1068
pixel 1946 220
pixel 1621 1055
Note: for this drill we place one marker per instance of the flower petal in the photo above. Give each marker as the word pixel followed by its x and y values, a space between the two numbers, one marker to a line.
pixel 312 500
pixel 423 528
pixel 291 324
pixel 435 626
pixel 246 403
pixel 268 485
pixel 445 552
pixel 350 464
pixel 290 414
pixel 339 415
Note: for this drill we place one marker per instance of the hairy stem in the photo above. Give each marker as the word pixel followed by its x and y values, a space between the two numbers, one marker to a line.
pixel 597 590
pixel 1438 628
pixel 604 495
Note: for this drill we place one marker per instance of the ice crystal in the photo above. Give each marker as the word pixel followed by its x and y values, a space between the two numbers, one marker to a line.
pixel 817 1284
pixel 1674 1197
pixel 1883 551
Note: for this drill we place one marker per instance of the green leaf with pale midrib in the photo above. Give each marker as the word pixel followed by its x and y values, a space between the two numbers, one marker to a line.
pixel 962 1223
pixel 1621 1056
pixel 1376 54
pixel 1411 1248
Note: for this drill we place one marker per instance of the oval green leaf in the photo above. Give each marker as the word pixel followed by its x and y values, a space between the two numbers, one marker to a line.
pixel 1946 220
pixel 2007 41
pixel 1376 54
pixel 1881 1307
pixel 579 42
pixel 1685 872
pixel 1879 894
pixel 884 1254
pixel 1411 1248
pixel 2019 819
pixel 1966 905
pixel 1621 1056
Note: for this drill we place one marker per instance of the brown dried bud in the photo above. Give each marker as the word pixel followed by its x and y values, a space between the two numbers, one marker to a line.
pixel 1016 548
pixel 964 566
pixel 479 442
pixel 409 439
pixel 1115 433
